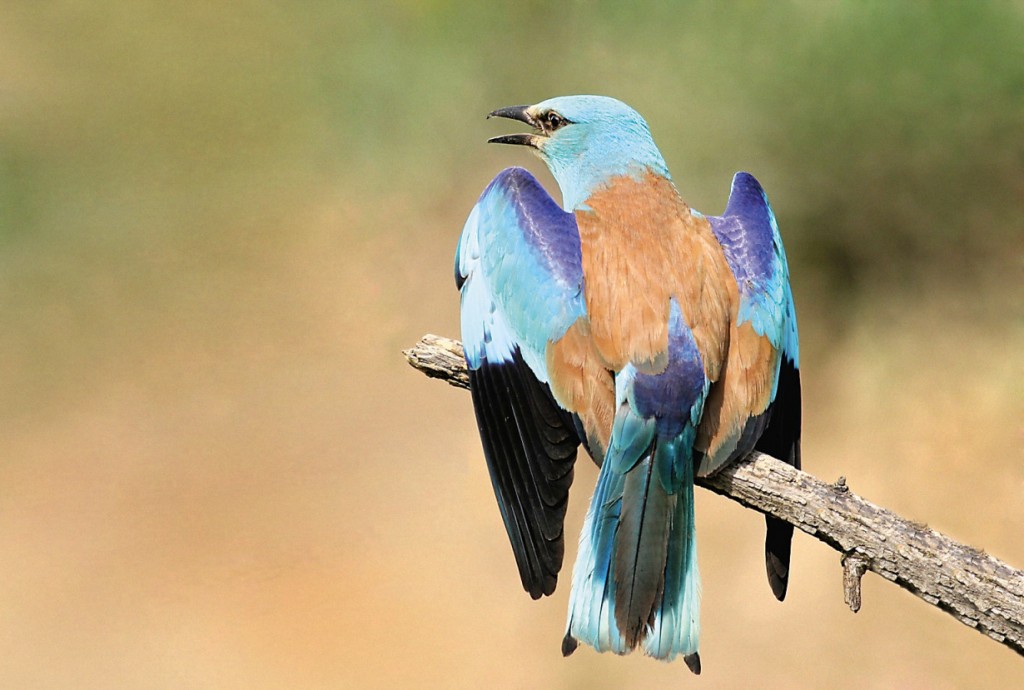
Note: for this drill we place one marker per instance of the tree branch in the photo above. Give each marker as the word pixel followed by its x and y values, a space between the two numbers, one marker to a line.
pixel 978 590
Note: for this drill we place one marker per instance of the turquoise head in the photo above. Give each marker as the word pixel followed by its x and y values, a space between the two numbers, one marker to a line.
pixel 586 141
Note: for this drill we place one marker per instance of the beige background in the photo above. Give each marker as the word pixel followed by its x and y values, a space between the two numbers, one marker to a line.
pixel 220 223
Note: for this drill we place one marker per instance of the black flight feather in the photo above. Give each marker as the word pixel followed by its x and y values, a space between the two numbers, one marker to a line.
pixel 530 444
pixel 781 439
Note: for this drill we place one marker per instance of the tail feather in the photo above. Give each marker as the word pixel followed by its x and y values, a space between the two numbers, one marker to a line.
pixel 593 593
pixel 676 628
pixel 635 583
pixel 641 550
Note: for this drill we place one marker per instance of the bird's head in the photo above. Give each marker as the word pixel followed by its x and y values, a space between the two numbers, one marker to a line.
pixel 586 141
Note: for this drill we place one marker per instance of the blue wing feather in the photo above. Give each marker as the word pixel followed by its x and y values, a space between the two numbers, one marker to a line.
pixel 519 270
pixel 749 235
pixel 523 252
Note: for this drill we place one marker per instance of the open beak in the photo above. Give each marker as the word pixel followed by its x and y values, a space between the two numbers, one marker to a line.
pixel 521 113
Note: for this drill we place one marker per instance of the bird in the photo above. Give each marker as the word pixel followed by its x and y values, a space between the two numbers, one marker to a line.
pixel 661 340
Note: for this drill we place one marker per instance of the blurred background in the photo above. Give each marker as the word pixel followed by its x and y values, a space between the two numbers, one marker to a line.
pixel 221 222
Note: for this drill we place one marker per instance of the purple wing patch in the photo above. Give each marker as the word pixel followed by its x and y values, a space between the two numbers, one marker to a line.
pixel 747 234
pixel 547 229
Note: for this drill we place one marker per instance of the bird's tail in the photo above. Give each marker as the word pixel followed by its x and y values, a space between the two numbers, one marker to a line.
pixel 635 583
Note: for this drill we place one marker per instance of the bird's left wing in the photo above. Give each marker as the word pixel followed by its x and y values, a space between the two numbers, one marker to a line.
pixel 519 270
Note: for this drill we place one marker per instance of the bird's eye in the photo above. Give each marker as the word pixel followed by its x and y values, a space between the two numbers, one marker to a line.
pixel 553 121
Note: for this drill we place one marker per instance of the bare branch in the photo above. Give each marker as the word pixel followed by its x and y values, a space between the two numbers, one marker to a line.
pixel 978 590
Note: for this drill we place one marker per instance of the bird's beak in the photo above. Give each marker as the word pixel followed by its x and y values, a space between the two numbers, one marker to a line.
pixel 521 113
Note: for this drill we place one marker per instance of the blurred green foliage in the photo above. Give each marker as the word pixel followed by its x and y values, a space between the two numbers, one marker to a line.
pixel 890 135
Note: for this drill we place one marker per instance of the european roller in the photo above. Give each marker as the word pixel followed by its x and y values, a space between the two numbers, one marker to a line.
pixel 661 339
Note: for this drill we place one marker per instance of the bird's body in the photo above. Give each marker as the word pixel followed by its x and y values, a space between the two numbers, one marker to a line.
pixel 651 333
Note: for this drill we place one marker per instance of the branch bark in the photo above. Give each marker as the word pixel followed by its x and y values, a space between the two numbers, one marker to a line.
pixel 978 590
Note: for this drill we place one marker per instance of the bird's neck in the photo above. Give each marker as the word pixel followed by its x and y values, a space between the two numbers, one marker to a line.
pixel 641 202
pixel 581 182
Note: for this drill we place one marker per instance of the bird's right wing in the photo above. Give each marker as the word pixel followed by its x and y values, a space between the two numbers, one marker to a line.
pixel 745 399
pixel 519 270
pixel 757 403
